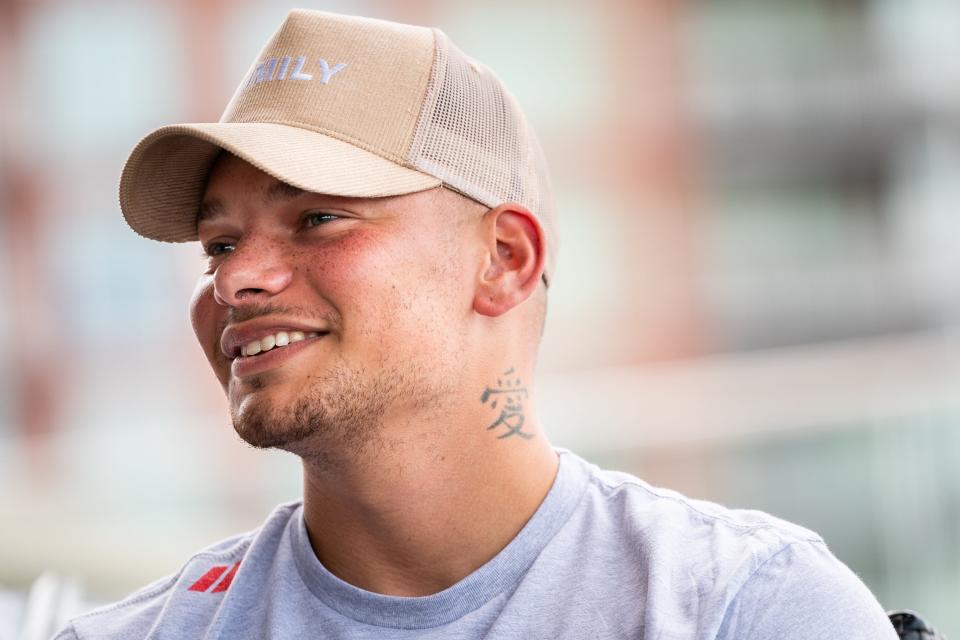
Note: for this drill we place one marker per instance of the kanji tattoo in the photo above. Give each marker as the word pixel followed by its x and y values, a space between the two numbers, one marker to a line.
pixel 510 391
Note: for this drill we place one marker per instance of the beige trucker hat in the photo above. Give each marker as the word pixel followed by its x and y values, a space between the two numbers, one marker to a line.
pixel 354 107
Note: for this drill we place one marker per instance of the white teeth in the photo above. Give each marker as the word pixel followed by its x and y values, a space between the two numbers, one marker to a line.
pixel 280 339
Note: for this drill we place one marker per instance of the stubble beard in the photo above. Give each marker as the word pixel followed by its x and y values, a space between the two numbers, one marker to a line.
pixel 337 420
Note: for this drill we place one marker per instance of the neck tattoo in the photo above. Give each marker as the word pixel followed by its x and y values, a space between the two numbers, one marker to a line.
pixel 508 396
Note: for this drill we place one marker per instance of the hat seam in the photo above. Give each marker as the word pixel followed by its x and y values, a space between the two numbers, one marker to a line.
pixel 425 83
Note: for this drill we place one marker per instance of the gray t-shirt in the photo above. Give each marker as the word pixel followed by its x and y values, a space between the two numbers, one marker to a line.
pixel 605 556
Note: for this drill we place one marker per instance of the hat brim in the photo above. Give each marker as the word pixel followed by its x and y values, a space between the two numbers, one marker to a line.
pixel 163 179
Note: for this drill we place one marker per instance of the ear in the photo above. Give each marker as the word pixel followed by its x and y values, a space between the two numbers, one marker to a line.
pixel 515 255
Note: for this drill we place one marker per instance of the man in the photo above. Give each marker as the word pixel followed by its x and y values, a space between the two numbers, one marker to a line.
pixel 378 227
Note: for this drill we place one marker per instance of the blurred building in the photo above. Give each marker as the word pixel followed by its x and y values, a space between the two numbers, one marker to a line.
pixel 756 298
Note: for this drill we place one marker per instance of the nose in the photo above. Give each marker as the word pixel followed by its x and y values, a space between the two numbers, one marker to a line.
pixel 254 271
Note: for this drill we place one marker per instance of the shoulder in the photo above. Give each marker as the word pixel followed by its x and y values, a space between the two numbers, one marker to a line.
pixel 803 591
pixel 727 565
pixel 207 571
pixel 671 519
pixel 688 546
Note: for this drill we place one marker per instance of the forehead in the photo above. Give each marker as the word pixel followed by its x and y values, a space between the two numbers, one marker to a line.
pixel 233 179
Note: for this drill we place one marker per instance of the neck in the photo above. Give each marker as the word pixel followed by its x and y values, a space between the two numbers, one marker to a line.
pixel 418 513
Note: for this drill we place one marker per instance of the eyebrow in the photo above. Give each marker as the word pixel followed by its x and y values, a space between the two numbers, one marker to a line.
pixel 279 190
pixel 209 209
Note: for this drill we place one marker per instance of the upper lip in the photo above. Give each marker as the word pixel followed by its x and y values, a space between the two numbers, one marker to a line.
pixel 237 335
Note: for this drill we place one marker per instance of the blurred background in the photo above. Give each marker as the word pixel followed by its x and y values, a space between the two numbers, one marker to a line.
pixel 756 300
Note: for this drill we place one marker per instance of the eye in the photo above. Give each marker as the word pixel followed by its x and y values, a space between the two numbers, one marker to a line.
pixel 317 218
pixel 215 249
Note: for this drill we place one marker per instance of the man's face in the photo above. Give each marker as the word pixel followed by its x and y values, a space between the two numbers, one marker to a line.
pixel 325 317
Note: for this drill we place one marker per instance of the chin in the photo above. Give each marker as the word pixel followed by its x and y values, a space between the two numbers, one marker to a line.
pixel 261 425
pixel 322 419
pixel 337 417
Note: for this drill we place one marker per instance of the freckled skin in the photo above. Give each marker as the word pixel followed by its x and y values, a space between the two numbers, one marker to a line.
pixel 389 279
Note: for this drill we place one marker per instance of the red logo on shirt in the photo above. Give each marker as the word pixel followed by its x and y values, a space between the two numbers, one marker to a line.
pixel 208 579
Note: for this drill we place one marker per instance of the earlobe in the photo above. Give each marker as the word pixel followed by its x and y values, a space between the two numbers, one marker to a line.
pixel 516 255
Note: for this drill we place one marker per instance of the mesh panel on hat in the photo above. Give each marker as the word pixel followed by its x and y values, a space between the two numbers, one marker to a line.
pixel 472 134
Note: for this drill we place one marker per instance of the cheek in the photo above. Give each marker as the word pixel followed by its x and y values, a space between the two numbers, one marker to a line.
pixel 414 286
pixel 350 272
pixel 388 287
pixel 205 316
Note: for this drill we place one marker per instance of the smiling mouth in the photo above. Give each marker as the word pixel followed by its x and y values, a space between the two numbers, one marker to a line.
pixel 276 341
